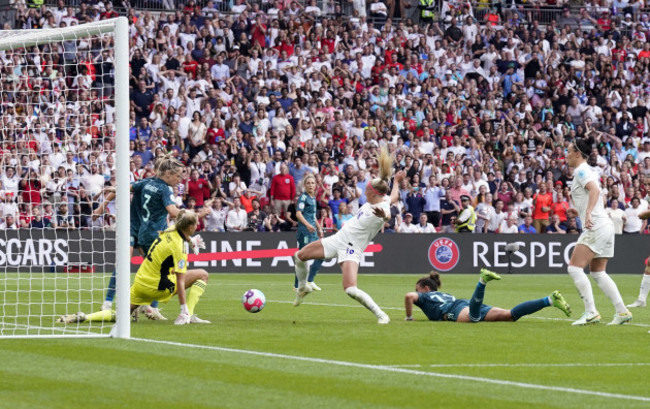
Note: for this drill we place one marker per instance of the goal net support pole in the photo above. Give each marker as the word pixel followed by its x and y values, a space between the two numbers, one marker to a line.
pixel 22 39
pixel 122 106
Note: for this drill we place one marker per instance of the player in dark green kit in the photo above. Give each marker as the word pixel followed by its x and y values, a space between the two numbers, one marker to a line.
pixel 439 306
pixel 308 228
pixel 157 198
pixel 135 222
pixel 136 189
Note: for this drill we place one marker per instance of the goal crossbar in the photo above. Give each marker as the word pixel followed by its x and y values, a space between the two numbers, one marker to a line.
pixel 28 38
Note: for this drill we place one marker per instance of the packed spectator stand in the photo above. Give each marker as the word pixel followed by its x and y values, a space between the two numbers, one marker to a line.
pixel 474 99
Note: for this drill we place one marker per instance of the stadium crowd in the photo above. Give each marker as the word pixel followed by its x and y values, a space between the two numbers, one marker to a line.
pixel 251 97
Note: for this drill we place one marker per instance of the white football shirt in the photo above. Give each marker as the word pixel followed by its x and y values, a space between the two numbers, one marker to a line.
pixel 364 226
pixel 582 175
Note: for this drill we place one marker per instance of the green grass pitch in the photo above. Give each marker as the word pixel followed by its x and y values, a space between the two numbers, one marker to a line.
pixel 330 353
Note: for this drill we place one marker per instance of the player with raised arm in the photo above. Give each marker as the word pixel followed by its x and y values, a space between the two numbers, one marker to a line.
pixel 439 306
pixel 645 281
pixel 595 245
pixel 162 275
pixel 309 230
pixel 349 243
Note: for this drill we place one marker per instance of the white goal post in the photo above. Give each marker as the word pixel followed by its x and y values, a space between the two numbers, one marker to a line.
pixel 55 109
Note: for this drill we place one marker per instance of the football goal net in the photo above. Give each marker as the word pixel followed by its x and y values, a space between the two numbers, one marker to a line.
pixel 64 144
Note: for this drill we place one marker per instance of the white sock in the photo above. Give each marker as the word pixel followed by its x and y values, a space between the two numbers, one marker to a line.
pixel 302 271
pixel 364 299
pixel 610 289
pixel 584 288
pixel 645 288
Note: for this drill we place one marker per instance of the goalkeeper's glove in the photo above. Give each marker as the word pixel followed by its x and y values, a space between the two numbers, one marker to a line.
pixel 197 243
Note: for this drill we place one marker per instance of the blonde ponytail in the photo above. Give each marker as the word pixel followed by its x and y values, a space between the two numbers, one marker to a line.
pixel 385 162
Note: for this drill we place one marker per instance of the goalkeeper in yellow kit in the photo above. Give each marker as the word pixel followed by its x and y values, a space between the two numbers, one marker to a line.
pixel 163 274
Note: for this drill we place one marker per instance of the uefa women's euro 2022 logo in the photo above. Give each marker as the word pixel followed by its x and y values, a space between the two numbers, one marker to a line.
pixel 444 254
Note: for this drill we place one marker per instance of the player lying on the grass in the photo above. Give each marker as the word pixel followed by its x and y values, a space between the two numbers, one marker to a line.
pixel 349 243
pixel 162 274
pixel 645 281
pixel 439 306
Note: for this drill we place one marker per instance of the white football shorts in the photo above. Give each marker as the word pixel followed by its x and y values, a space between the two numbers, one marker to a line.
pixel 599 240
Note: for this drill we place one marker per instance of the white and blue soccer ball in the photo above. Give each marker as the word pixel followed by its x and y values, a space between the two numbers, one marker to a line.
pixel 253 300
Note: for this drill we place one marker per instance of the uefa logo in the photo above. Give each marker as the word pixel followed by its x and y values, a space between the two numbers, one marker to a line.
pixel 444 254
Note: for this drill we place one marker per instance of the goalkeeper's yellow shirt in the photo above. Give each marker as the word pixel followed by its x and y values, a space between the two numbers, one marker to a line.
pixel 167 256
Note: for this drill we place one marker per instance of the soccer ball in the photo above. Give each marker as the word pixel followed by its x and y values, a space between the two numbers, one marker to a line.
pixel 253 300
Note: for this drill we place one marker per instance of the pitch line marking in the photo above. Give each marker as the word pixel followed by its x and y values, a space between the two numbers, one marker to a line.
pixel 331 305
pixel 567 365
pixel 402 309
pixel 402 370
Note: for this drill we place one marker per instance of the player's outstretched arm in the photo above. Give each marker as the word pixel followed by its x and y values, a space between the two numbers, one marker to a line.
pixel 206 209
pixel 397 181
pixel 381 213
pixel 409 300
pixel 108 197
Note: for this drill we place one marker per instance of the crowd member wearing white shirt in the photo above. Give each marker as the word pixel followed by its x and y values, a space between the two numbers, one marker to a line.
pixel 595 245
pixel 220 71
pixel 93 180
pixel 407 226
pixel 496 216
pixel 424 226
pixel 9 223
pixel 633 223
pixel 237 218
pixel 184 122
pixel 509 225
pixel 10 181
pixel 617 215
pixel 483 211
pixel 216 219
